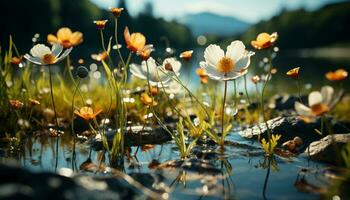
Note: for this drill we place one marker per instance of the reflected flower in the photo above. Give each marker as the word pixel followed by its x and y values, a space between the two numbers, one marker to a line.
pixel 66 38
pixel 43 55
pixel 264 40
pixel 294 73
pixel 337 75
pixel 229 66
pixel 87 113
pixel 319 103
pixel 134 42
pixel 158 75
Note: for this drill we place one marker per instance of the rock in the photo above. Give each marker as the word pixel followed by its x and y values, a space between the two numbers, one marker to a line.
pixel 326 149
pixel 18 183
pixel 137 136
pixel 290 127
pixel 195 165
pixel 286 102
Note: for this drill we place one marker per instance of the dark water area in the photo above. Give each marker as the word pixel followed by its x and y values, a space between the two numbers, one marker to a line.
pixel 242 172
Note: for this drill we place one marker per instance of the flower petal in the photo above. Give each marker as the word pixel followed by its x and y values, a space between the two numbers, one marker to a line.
pixel 211 71
pixel 64 54
pixel 212 54
pixel 40 50
pixel 136 71
pixel 301 109
pixel 244 62
pixel 175 64
pixel 64 34
pixel 34 60
pixel 56 49
pixel 327 94
pixel 315 97
pixel 235 50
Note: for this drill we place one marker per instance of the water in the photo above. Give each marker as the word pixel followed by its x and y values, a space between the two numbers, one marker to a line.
pixel 244 179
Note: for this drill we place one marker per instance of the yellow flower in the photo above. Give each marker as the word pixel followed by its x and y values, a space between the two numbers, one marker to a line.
pixel 100 24
pixel 34 102
pixel 100 57
pixel 117 11
pixel 264 40
pixel 87 113
pixel 145 52
pixel 202 75
pixel 134 42
pixel 16 60
pixel 337 75
pixel 16 104
pixel 186 55
pixel 66 38
pixel 147 100
pixel 294 73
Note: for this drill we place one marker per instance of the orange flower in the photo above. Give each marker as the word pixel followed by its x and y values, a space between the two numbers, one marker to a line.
pixel 87 113
pixel 294 73
pixel 34 102
pixel 154 91
pixel 337 75
pixel 145 52
pixel 99 57
pixel 264 40
pixel 16 60
pixel 255 79
pixel 147 100
pixel 202 75
pixel 186 55
pixel 16 104
pixel 100 24
pixel 66 38
pixel 134 42
pixel 117 11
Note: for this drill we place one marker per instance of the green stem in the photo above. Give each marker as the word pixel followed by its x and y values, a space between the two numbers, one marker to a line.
pixel 72 119
pixel 223 113
pixel 246 88
pixel 56 120
pixel 116 41
pixel 299 90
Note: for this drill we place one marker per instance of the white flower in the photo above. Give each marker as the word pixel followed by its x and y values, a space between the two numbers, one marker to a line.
pixel 173 87
pixel 319 103
pixel 229 66
pixel 43 55
pixel 158 75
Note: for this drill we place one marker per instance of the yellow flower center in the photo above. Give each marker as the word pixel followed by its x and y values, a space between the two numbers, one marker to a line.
pixel 49 58
pixel 319 109
pixel 226 65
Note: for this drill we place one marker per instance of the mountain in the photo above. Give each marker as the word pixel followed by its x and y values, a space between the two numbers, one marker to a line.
pixel 305 29
pixel 210 23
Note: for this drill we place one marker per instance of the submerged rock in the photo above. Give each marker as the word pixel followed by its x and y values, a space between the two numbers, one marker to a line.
pixel 327 149
pixel 137 136
pixel 290 127
pixel 18 183
pixel 193 164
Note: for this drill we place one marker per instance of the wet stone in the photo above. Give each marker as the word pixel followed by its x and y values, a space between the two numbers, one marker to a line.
pixel 290 127
pixel 193 165
pixel 325 150
pixel 137 136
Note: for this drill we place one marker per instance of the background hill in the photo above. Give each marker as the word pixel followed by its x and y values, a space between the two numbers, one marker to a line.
pixel 210 23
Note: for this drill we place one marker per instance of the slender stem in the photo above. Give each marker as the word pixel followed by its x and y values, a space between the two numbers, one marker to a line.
pixel 223 113
pixel 235 92
pixel 246 88
pixel 103 40
pixel 56 120
pixel 126 67
pixel 116 41
pixel 73 133
pixel 267 177
pixel 262 99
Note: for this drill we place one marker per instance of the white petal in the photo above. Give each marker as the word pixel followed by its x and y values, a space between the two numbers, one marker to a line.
pixel 327 94
pixel 315 97
pixel 56 49
pixel 243 62
pixel 136 71
pixel 175 64
pixel 34 60
pixel 301 109
pixel 234 75
pixel 64 54
pixel 211 71
pixel 235 50
pixel 212 54
pixel 40 50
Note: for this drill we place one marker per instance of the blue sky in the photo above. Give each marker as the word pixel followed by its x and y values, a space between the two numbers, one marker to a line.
pixel 248 10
